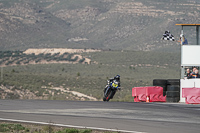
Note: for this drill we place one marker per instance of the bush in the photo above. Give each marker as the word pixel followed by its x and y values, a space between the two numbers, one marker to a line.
pixel 69 57
pixel 71 130
pixel 75 59
pixel 81 60
pixel 38 60
pixel 86 131
pixel 18 127
pixel 12 96
pixel 4 128
pixel 11 127
pixel 18 62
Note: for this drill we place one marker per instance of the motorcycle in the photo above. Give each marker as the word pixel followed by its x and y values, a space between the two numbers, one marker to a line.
pixel 110 90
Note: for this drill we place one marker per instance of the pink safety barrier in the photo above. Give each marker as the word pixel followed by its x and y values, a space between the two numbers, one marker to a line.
pixel 192 95
pixel 148 94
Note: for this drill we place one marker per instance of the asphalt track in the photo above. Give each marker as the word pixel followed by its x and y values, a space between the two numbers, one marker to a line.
pixel 116 116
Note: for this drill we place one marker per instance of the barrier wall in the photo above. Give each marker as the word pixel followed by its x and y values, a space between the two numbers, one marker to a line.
pixel 188 83
pixel 148 94
pixel 192 95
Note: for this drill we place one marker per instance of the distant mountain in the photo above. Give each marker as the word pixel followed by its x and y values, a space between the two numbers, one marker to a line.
pixel 103 24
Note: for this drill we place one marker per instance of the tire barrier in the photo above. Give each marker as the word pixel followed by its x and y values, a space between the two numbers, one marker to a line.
pixel 192 95
pixel 173 91
pixel 173 82
pixel 172 96
pixel 162 83
pixel 172 99
pixel 173 88
pixel 170 86
pixel 148 94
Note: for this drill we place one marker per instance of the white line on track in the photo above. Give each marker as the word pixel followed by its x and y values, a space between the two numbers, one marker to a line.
pixel 70 126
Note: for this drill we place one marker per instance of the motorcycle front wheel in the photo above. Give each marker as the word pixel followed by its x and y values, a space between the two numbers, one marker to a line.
pixel 108 96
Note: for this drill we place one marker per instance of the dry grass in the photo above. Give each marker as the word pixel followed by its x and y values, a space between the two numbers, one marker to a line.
pixel 7 127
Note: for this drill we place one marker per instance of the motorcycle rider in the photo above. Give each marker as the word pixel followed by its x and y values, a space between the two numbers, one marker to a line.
pixel 111 80
pixel 117 78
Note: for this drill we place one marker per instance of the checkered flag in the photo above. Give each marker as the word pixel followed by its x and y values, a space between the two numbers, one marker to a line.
pixel 168 36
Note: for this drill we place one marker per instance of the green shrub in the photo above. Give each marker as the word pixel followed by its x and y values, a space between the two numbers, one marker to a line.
pixel 4 127
pixel 18 62
pixel 75 59
pixel 78 74
pixel 86 131
pixel 12 96
pixel 18 127
pixel 38 60
pixel 11 127
pixel 71 130
pixel 82 60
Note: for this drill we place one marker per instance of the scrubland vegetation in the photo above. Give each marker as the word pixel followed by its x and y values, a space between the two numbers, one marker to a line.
pixel 29 128
pixel 38 81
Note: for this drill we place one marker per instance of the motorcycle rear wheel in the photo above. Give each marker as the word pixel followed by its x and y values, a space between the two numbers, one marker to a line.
pixel 109 96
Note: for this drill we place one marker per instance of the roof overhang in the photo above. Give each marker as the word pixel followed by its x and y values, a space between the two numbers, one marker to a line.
pixel 188 24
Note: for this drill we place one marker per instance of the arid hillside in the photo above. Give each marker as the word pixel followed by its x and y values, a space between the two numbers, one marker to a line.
pixel 44 56
pixel 103 24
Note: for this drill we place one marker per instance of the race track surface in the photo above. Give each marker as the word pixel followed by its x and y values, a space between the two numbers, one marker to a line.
pixel 121 116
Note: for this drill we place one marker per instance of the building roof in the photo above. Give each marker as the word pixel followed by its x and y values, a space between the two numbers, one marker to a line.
pixel 189 24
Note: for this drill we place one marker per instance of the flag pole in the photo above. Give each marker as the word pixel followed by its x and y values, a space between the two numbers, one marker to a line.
pixel 1 73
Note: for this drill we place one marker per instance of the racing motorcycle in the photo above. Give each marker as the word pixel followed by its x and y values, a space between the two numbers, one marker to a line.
pixel 110 89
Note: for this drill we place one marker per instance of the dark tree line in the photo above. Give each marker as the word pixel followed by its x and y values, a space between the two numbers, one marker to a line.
pixel 18 57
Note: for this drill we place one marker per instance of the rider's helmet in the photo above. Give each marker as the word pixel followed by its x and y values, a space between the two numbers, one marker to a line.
pixel 117 77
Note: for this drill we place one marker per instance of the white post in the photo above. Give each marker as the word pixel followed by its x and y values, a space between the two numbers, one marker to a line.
pixel 182 34
pixel 1 73
pixel 197 35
